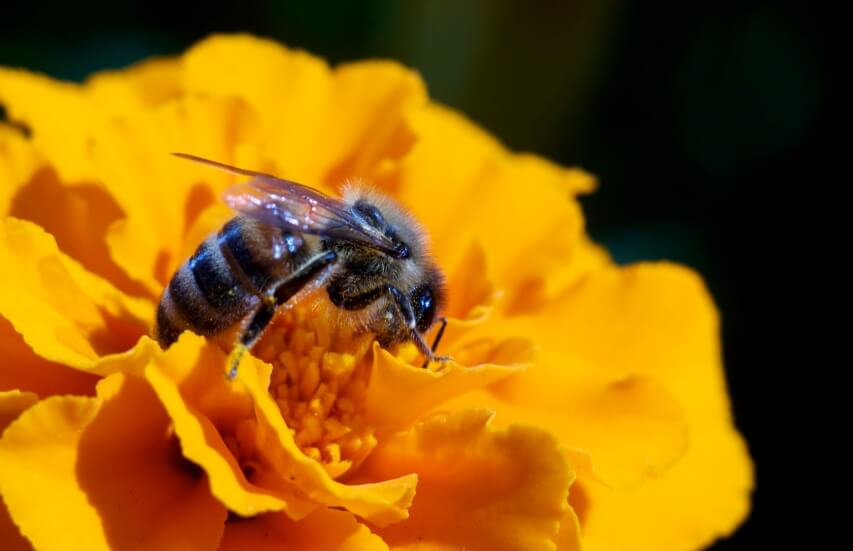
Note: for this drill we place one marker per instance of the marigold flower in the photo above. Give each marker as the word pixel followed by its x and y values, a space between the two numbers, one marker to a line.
pixel 585 403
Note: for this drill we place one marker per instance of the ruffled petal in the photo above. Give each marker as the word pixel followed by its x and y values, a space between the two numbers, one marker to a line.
pixel 704 496
pixel 381 501
pixel 320 126
pixel 21 369
pixel 113 473
pixel 622 429
pixel 10 536
pixel 322 530
pixel 162 195
pixel 143 85
pixel 60 117
pixel 658 320
pixel 479 183
pixel 18 162
pixel 64 313
pixel 480 487
pixel 393 379
pixel 12 404
pixel 203 405
pixel 569 536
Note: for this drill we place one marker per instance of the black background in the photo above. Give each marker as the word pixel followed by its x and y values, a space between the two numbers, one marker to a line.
pixel 699 118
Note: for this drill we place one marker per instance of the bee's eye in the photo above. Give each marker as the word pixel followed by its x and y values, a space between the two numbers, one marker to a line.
pixel 371 214
pixel 423 303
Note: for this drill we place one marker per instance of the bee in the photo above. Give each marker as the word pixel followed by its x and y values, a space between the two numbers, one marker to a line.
pixel 289 240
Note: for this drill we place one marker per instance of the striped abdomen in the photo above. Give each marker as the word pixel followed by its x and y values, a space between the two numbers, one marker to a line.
pixel 220 283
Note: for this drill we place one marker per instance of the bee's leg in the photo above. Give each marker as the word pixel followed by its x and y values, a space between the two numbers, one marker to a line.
pixel 270 302
pixel 443 321
pixel 404 307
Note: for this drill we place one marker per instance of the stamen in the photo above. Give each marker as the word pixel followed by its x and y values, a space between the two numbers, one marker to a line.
pixel 319 381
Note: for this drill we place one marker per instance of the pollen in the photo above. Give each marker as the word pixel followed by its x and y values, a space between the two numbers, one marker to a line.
pixel 319 381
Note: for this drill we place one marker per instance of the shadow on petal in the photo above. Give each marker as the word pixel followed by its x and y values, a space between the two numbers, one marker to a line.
pixel 323 530
pixel 133 474
pixel 480 488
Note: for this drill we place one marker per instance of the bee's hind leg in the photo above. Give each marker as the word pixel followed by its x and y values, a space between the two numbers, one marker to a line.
pixel 283 292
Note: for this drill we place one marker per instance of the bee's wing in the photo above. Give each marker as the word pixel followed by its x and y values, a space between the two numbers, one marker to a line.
pixel 290 205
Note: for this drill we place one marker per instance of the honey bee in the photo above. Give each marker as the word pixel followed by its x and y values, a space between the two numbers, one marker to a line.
pixel 289 240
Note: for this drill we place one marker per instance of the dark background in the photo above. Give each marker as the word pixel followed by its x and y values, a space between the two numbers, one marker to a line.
pixel 699 118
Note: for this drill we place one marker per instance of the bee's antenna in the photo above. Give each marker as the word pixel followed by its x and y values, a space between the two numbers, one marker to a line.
pixel 216 164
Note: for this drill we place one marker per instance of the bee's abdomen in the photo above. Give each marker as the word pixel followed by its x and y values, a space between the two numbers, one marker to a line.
pixel 221 282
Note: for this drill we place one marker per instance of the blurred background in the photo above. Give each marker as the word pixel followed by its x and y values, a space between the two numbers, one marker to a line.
pixel 695 116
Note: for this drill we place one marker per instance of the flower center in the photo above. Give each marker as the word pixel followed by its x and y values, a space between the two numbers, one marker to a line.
pixel 319 381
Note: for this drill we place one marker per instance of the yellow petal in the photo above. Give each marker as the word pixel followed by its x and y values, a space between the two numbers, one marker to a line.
pixel 479 183
pixel 21 369
pixel 146 84
pixel 658 320
pixel 569 536
pixel 79 217
pixel 322 530
pixel 18 162
pixel 66 314
pixel 630 429
pixel 399 393
pixel 703 497
pixel 320 126
pixel 470 285
pixel 652 319
pixel 202 404
pixel 381 502
pixel 480 488
pixel 10 536
pixel 161 195
pixel 113 474
pixel 12 403
pixel 60 117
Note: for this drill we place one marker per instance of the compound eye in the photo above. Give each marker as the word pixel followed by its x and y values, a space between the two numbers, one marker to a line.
pixel 371 214
pixel 423 303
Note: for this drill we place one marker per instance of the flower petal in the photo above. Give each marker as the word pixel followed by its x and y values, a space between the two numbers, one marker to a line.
pixel 569 536
pixel 480 182
pixel 18 162
pixel 59 115
pixel 320 126
pixel 113 475
pixel 381 502
pixel 480 488
pixel 66 314
pixel 189 381
pixel 392 379
pixel 10 536
pixel 146 84
pixel 322 530
pixel 161 195
pixel 630 429
pixel 703 497
pixel 12 404
pixel 79 217
pixel 21 369
pixel 658 320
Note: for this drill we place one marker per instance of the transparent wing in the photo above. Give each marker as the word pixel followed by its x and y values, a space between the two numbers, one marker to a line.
pixel 290 205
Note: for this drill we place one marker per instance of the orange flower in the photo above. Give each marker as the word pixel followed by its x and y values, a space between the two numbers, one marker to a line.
pixel 586 402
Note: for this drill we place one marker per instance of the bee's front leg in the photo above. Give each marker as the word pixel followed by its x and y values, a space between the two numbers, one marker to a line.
pixel 407 313
pixel 270 302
